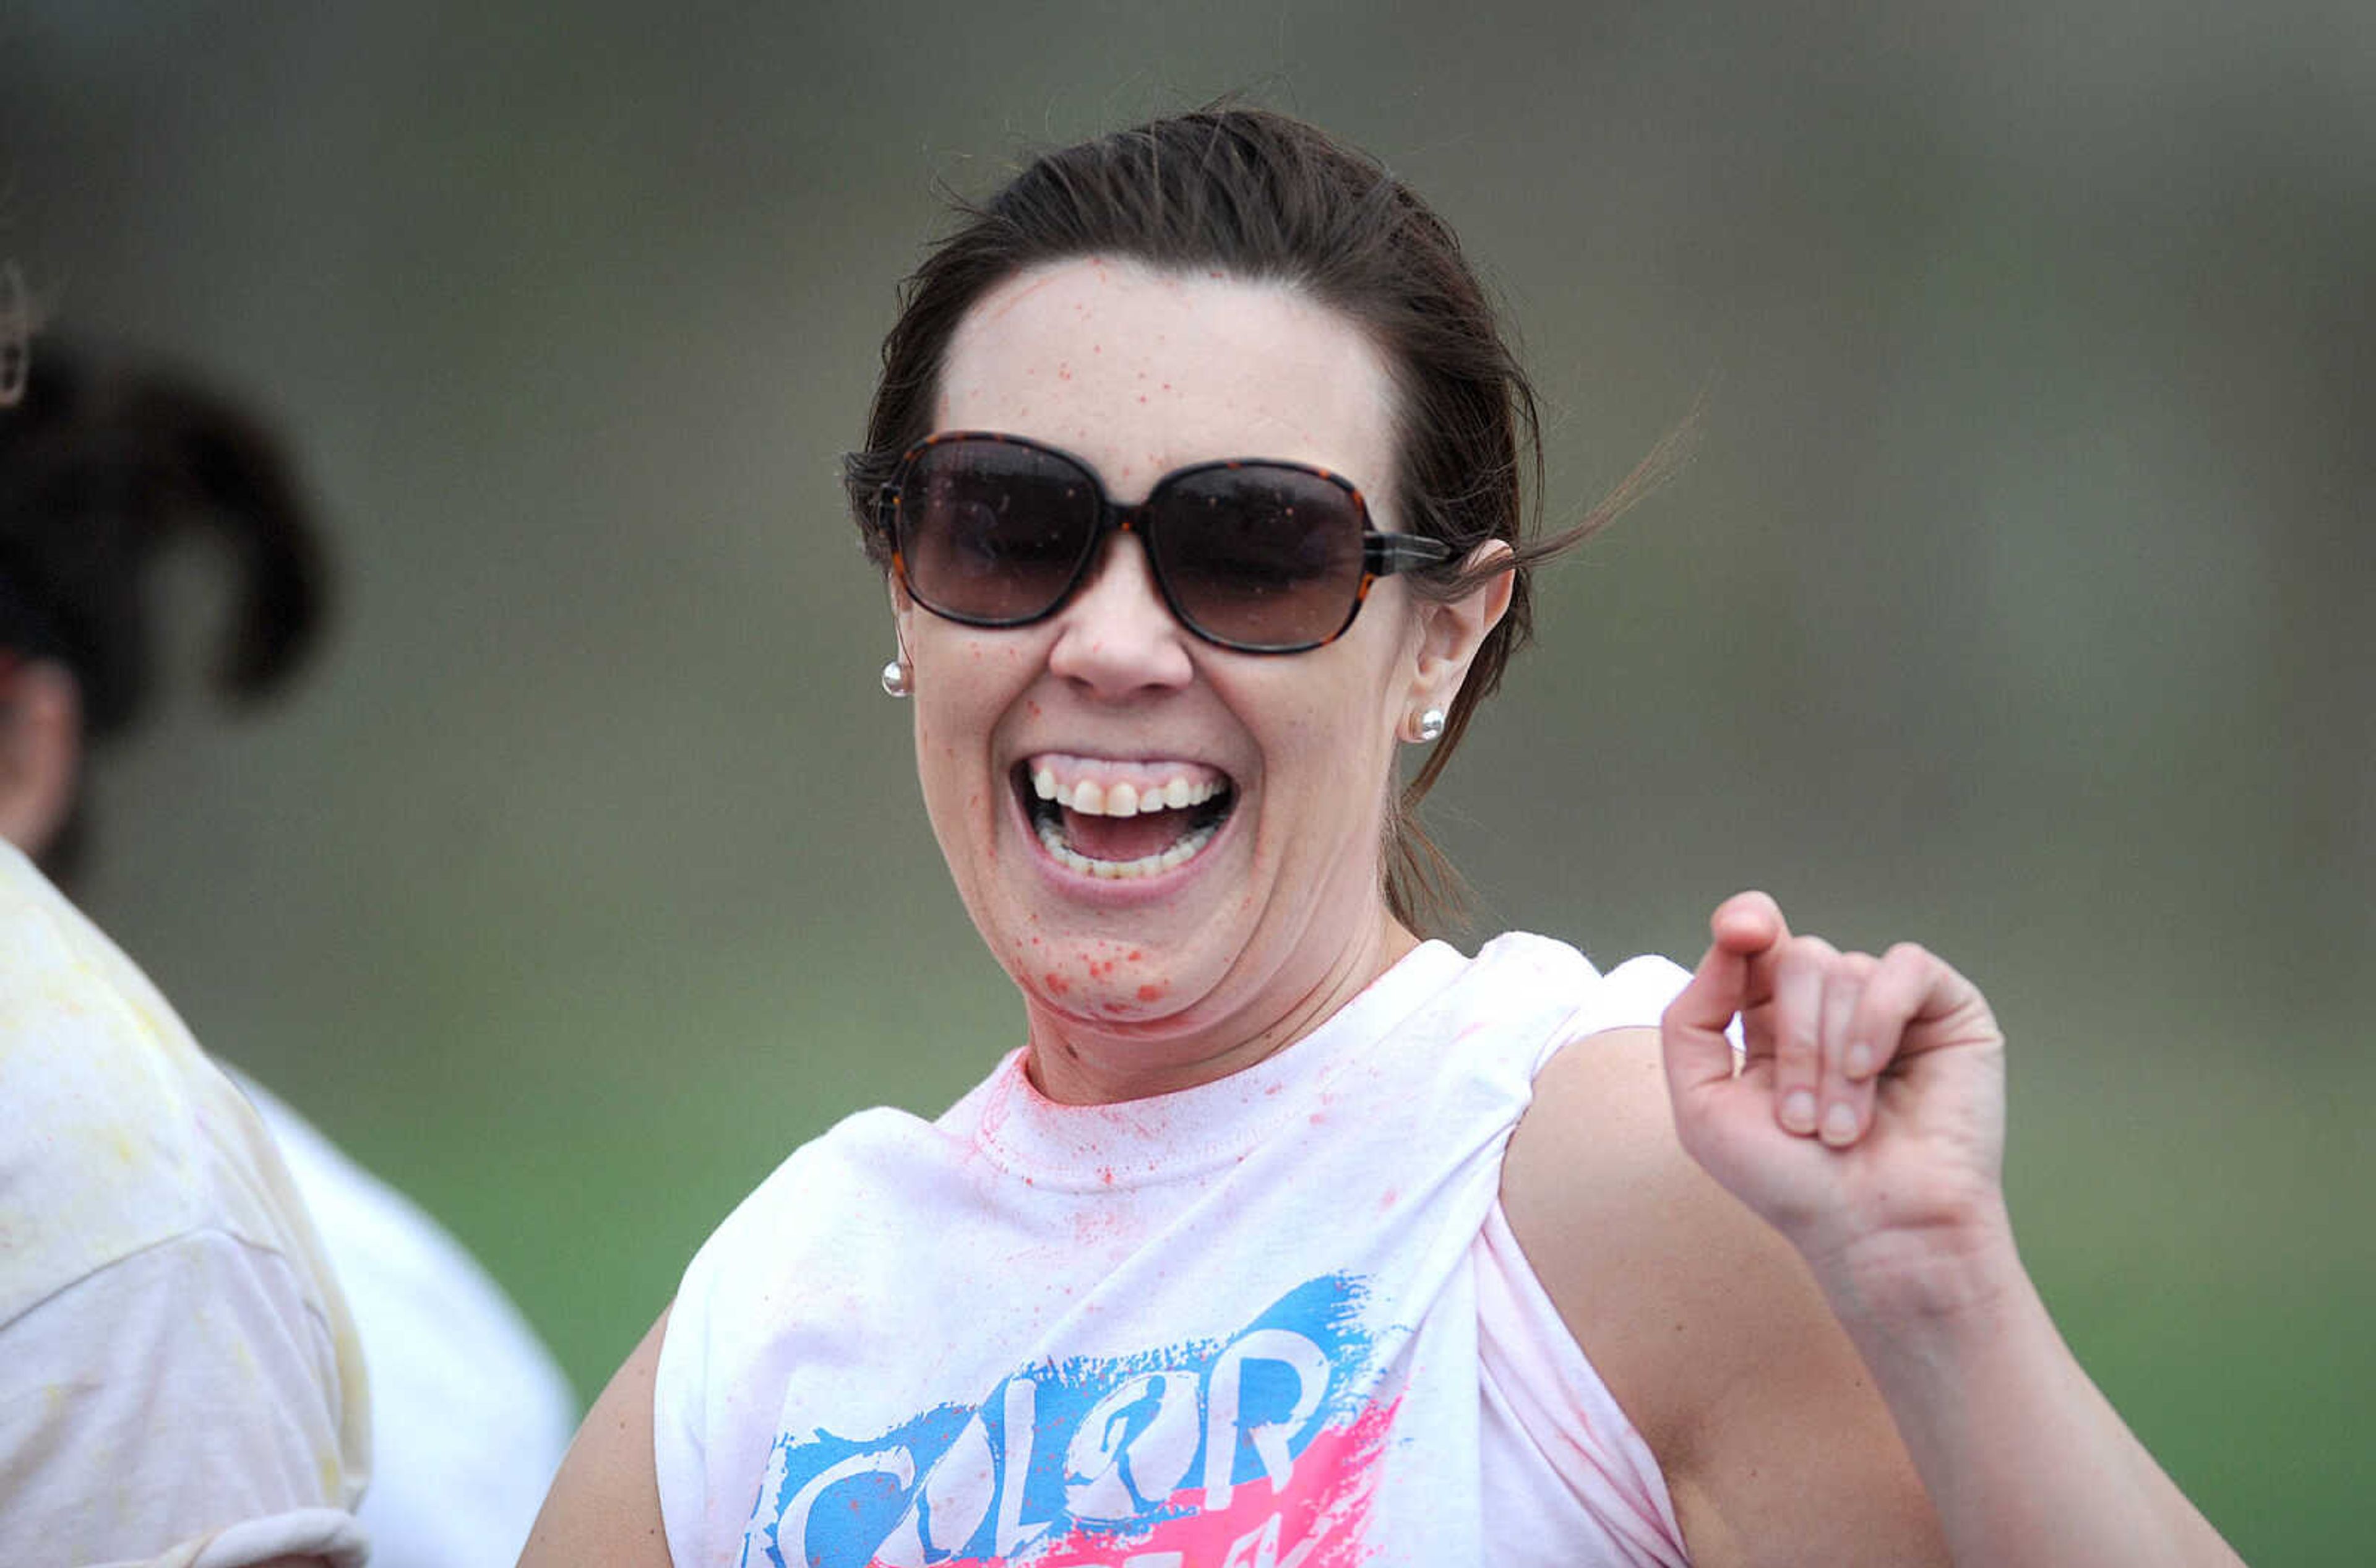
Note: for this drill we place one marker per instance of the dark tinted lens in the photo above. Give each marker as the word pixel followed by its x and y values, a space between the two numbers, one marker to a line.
pixel 1257 555
pixel 993 531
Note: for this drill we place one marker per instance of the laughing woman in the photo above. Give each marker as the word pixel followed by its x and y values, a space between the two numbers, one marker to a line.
pixel 1288 1236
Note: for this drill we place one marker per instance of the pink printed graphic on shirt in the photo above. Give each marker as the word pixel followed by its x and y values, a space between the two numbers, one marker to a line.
pixel 1257 1451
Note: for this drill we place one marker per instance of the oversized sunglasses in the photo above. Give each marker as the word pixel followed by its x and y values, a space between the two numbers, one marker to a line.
pixel 1252 554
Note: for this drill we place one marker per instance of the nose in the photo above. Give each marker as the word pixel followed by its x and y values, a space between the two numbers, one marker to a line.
pixel 1116 637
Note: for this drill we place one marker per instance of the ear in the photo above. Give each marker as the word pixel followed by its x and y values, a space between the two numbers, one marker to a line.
pixel 903 612
pixel 1452 630
pixel 41 750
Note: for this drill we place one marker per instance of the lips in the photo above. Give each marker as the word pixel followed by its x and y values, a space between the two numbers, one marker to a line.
pixel 1118 820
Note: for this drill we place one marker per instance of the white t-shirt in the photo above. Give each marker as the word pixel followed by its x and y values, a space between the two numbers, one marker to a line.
pixel 1274 1320
pixel 179 1381
pixel 470 1414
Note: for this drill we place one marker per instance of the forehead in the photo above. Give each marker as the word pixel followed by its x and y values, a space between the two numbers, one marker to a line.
pixel 1140 371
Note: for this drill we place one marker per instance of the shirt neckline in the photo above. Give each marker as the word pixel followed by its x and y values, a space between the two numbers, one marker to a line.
pixel 1177 1136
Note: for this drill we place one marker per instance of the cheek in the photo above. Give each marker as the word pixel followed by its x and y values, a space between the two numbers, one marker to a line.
pixel 1339 753
pixel 965 690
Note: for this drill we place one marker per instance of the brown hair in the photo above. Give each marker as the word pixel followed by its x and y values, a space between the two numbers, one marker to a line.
pixel 1265 196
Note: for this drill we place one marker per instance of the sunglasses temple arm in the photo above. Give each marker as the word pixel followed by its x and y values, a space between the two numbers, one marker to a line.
pixel 1391 553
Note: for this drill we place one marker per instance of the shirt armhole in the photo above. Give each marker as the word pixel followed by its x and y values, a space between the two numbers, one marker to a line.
pixel 680 1384
pixel 1566 1414
pixel 1634 995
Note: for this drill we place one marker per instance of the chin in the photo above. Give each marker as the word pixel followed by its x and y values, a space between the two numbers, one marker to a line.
pixel 1130 967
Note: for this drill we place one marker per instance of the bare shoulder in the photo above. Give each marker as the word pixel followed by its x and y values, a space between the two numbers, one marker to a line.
pixel 604 1507
pixel 1644 1255
pixel 1704 1324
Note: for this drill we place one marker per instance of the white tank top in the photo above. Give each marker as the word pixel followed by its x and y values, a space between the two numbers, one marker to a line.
pixel 1275 1320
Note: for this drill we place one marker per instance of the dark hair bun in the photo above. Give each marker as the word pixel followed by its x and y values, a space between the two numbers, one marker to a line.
pixel 99 467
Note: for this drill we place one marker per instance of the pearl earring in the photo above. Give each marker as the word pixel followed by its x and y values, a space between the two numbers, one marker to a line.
pixel 1430 724
pixel 899 678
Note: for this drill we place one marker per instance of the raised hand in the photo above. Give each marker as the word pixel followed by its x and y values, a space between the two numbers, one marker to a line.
pixel 1866 1120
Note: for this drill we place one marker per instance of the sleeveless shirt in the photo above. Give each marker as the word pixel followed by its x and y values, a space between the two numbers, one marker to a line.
pixel 1273 1320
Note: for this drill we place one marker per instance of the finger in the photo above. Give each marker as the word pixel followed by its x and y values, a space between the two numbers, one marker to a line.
pixel 1691 1029
pixel 1727 984
pixel 1749 923
pixel 1892 999
pixel 1913 985
pixel 1847 1093
pixel 1798 1023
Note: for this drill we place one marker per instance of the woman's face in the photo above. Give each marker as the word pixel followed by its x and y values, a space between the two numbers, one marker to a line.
pixel 1216 945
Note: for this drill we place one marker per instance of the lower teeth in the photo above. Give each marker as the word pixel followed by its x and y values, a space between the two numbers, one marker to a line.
pixel 1195 838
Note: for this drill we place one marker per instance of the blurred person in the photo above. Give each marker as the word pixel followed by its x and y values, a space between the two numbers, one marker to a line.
pixel 179 1382
pixel 1289 1234
pixel 100 467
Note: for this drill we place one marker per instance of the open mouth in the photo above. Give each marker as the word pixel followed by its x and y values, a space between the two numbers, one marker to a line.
pixel 1119 821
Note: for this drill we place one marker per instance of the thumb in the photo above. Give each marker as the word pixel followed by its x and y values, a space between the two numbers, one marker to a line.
pixel 1746 927
pixel 1692 1030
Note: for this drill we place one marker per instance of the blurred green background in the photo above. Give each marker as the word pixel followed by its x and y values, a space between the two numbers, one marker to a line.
pixel 2022 597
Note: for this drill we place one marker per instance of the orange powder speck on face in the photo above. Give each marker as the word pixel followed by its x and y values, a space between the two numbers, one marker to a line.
pixel 1135 954
pixel 1152 993
pixel 1057 984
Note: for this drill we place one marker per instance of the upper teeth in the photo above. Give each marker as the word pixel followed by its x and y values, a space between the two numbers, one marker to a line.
pixel 1092 799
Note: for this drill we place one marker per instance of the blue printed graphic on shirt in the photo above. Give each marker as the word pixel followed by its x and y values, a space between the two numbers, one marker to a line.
pixel 1253 1445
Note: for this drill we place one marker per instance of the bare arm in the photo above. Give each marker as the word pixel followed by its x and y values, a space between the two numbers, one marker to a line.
pixel 1774 1443
pixel 604 1507
pixel 1884 1179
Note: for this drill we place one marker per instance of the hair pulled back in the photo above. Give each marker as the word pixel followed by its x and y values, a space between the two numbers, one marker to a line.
pixel 100 467
pixel 1266 197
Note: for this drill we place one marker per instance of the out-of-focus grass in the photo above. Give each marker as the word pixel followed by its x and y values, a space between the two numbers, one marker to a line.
pixel 2193 1223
